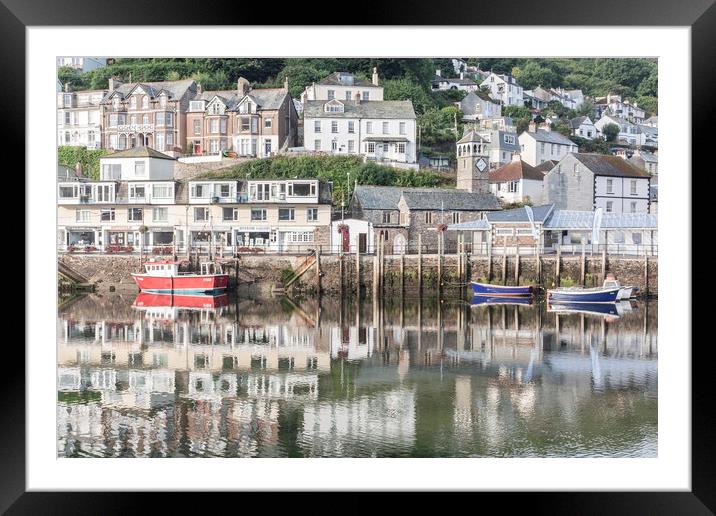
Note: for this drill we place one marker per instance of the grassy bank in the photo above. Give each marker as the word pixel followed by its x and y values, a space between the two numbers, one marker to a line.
pixel 338 169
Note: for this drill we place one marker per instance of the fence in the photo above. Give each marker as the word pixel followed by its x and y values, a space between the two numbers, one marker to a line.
pixel 482 248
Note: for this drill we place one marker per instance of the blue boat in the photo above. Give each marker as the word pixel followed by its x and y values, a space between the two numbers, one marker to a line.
pixel 485 289
pixel 583 295
pixel 500 300
pixel 599 309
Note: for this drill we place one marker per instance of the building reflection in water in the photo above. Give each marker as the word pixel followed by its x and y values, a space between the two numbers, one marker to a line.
pixel 264 378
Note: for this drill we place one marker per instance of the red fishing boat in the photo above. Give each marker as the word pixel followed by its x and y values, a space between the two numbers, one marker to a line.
pixel 164 277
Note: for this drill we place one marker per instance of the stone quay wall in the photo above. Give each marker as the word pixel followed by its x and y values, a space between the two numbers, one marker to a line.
pixel 343 274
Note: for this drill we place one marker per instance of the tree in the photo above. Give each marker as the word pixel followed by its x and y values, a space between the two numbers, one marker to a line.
pixel 610 132
pixel 406 89
pixel 532 74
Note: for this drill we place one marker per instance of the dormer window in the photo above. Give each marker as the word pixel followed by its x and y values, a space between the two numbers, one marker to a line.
pixel 196 105
pixel 333 107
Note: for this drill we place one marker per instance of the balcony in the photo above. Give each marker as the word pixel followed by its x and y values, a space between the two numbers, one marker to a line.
pixel 136 128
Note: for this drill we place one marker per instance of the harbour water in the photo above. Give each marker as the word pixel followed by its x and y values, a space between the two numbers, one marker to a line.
pixel 161 376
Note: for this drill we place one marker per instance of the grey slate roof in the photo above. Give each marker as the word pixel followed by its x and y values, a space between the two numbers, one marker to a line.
pixel 387 198
pixel 647 156
pixel 571 219
pixel 267 98
pixel 549 137
pixel 139 152
pixel 176 89
pixel 576 122
pixel 546 166
pixel 378 197
pixel 472 225
pixel 65 173
pixel 471 136
pixel 496 139
pixel 612 166
pixel 450 200
pixel 353 109
pixel 540 213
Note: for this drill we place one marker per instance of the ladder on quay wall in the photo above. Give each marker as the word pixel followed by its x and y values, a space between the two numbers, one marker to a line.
pixel 80 281
pixel 301 271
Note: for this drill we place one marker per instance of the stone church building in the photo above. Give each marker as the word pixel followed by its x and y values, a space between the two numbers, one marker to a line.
pixel 400 214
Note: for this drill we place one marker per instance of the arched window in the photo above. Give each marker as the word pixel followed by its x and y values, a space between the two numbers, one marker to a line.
pixel 145 102
pixel 459 151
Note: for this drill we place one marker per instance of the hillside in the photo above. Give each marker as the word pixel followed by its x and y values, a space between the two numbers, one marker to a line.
pixel 338 169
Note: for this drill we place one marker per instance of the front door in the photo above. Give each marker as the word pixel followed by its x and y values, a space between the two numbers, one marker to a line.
pixel 346 240
pixel 363 242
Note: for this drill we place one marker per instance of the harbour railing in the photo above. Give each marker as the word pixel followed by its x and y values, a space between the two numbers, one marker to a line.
pixel 450 248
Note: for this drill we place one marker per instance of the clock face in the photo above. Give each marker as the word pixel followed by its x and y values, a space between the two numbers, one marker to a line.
pixel 480 164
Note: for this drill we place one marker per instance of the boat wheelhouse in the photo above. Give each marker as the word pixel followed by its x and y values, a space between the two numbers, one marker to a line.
pixel 164 277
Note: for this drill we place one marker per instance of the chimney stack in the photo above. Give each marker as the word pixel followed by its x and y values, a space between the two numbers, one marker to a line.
pixel 78 169
pixel 532 128
pixel 516 156
pixel 242 86
pixel 67 87
pixel 113 83
pixel 285 83
pixel 375 76
pixel 437 72
pixel 198 88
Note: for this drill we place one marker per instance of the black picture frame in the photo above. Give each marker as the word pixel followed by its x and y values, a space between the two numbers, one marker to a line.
pixel 700 15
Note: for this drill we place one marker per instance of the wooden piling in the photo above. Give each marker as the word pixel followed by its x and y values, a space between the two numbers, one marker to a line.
pixel 538 266
pixel 604 263
pixel 382 266
pixel 340 272
pixel 318 270
pixel 402 270
pixel 517 266
pixel 646 275
pixel 557 265
pixel 440 263
pixel 582 272
pixel 504 265
pixel 358 270
pixel 375 269
pixel 420 263
pixel 489 262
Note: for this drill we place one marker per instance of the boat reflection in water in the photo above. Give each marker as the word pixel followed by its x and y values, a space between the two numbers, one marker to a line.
pixel 171 376
pixel 170 305
pixel 609 310
pixel 500 300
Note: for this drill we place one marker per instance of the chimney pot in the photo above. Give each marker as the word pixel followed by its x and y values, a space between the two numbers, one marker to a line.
pixel 375 76
pixel 437 72
pixel 67 87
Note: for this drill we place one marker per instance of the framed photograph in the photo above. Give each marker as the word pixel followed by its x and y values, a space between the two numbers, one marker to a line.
pixel 429 253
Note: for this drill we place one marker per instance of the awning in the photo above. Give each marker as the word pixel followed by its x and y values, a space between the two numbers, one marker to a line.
pixel 81 230
pixel 386 139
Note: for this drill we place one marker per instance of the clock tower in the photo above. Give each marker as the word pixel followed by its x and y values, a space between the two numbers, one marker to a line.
pixel 473 163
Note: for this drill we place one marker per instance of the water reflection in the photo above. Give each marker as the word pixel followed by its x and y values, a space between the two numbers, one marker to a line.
pixel 165 377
